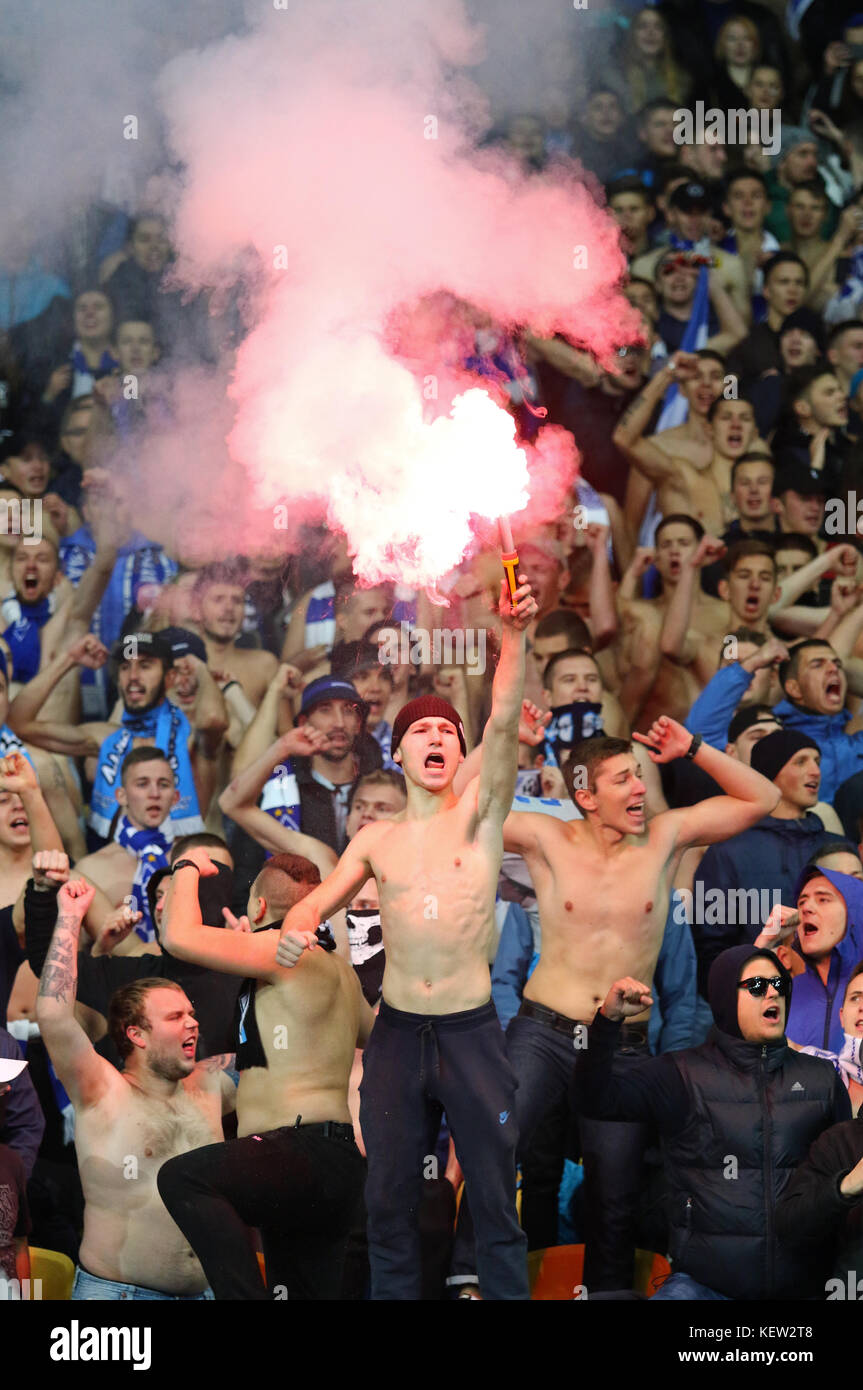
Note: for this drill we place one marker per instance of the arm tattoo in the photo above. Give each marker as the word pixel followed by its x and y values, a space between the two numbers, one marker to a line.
pixel 220 1062
pixel 60 971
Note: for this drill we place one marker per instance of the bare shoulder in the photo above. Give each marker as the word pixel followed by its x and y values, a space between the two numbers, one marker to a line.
pixel 109 855
pixel 207 1075
pixel 375 833
pixel 663 830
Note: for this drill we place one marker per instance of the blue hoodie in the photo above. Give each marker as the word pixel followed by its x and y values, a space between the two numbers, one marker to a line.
pixel 813 1019
pixel 841 753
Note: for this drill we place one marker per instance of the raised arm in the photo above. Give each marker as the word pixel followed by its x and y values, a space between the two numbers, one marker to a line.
pixel 18 777
pixel 78 741
pixel 500 739
pixel 239 800
pixel 264 727
pixel 675 642
pixel 184 935
pixel 603 613
pixel 749 797
pixel 647 456
pixel 842 558
pixel 336 891
pixel 85 1075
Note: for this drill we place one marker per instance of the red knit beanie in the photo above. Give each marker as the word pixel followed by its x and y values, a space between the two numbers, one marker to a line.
pixel 425 707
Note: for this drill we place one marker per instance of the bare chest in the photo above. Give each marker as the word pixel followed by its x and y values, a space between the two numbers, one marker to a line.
pixel 130 1139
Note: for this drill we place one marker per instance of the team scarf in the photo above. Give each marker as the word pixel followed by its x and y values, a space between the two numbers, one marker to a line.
pixel 26 621
pixel 11 743
pixel 569 724
pixel 150 848
pixel 169 729
pixel 848 1062
pixel 280 797
pixel 84 375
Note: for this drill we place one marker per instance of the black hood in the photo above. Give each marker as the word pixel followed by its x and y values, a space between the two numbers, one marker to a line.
pixel 722 991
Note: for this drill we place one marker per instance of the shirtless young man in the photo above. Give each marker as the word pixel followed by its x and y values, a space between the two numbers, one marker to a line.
pixel 705 492
pixel 700 377
pixel 127 1123
pixel 590 936
pixel 437 1043
pixel 146 794
pixel 651 682
pixel 295 1171
pixel 220 598
pixel 749 590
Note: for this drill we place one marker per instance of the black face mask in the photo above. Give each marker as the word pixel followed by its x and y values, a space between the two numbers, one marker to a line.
pixel 570 724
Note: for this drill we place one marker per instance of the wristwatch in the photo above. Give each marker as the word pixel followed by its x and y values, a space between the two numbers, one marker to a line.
pixel 694 746
pixel 190 863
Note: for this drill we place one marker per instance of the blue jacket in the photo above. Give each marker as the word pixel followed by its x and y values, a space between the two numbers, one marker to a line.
pixel 841 753
pixel 767 859
pixel 813 1019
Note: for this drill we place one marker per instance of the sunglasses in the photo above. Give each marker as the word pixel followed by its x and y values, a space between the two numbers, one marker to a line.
pixel 758 985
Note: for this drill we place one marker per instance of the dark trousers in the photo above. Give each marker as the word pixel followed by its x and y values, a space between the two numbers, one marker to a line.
pixel 415 1067
pixel 299 1186
pixel 543 1060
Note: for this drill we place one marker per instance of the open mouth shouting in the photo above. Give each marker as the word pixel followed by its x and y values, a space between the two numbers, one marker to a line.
pixel 635 813
pixel 190 1045
pixel 435 762
pixel 833 691
pixel 772 1013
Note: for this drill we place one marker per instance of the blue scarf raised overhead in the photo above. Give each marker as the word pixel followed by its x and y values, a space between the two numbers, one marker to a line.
pixel 23 635
pixel 169 729
pixel 150 848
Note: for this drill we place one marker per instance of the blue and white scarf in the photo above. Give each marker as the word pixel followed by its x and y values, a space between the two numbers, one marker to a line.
pixel 280 797
pixel 23 634
pixel 84 376
pixel 150 848
pixel 169 729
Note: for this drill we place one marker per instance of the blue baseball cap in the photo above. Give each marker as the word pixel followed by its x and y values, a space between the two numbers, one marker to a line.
pixel 331 688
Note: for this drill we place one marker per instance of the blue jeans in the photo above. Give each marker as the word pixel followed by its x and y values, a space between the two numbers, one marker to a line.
pixel 88 1288
pixel 678 1287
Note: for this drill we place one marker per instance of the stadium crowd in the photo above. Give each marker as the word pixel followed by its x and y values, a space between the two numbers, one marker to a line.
pixel 354 947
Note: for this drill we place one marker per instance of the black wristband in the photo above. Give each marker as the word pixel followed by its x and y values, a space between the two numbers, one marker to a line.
pixel 694 746
pixel 184 864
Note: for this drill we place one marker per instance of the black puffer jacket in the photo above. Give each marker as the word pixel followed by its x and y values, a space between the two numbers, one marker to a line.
pixel 752 1114
pixel 735 1118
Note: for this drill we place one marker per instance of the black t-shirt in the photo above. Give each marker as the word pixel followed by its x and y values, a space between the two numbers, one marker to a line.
pixel 11 957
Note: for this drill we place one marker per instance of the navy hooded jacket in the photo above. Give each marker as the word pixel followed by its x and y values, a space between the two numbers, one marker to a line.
pixel 813 1020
